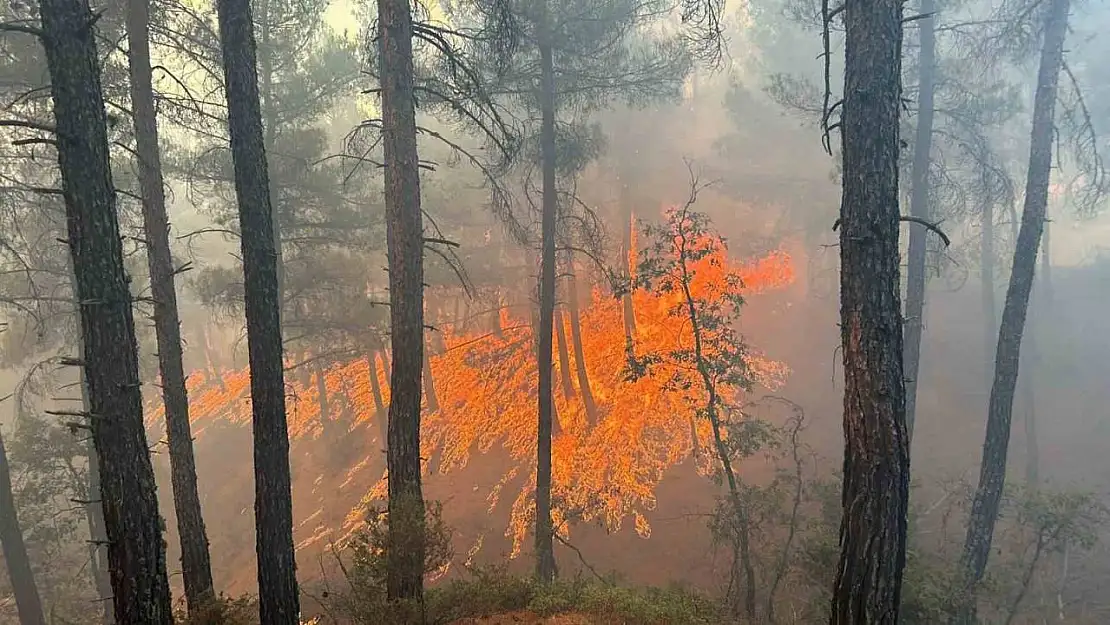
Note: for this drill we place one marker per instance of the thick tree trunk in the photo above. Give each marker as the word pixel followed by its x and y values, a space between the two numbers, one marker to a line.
pixel 987 295
pixel 136 553
pixel 404 234
pixel 868 582
pixel 544 546
pixel 196 566
pixel 576 339
pixel 920 208
pixel 564 354
pixel 27 602
pixel 992 472
pixel 279 601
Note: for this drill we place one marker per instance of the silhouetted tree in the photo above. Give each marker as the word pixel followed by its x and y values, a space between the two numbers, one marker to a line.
pixel 27 601
pixel 992 471
pixel 279 602
pixel 875 495
pixel 196 567
pixel 136 552
pixel 405 242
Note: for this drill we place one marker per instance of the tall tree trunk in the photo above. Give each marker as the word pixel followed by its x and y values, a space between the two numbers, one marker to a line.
pixel 564 354
pixel 279 602
pixel 27 601
pixel 136 553
pixel 868 584
pixel 987 294
pixel 920 208
pixel 576 339
pixel 429 382
pixel 196 566
pixel 404 239
pixel 992 471
pixel 545 549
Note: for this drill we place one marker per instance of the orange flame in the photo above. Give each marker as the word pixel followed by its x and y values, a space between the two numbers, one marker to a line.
pixel 606 470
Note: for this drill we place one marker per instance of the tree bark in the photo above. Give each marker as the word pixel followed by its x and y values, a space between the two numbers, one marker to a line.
pixel 279 602
pixel 196 566
pixel 544 546
pixel 920 208
pixel 136 553
pixel 992 471
pixel 28 604
pixel 868 583
pixel 404 240
pixel 379 404
pixel 209 360
pixel 576 339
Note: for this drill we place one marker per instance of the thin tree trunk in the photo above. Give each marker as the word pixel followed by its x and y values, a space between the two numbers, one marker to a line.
pixel 576 339
pixel 627 224
pixel 279 601
pixel 920 208
pixel 742 538
pixel 404 238
pixel 992 472
pixel 495 319
pixel 429 382
pixel 196 565
pixel 564 355
pixel 136 553
pixel 545 551
pixel 868 583
pixel 376 389
pixel 322 397
pixel 990 306
pixel 27 602
pixel 209 361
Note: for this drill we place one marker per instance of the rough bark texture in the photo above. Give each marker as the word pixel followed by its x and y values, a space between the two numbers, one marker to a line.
pixel 919 207
pixel 279 602
pixel 868 581
pixel 545 549
pixel 136 553
pixel 27 602
pixel 196 566
pixel 992 471
pixel 404 239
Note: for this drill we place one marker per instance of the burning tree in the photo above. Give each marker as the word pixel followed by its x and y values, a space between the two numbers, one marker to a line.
pixel 709 367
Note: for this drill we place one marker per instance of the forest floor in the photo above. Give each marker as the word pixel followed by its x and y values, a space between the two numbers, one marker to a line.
pixel 531 618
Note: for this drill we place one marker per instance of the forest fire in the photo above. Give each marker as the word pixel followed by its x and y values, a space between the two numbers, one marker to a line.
pixel 607 460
